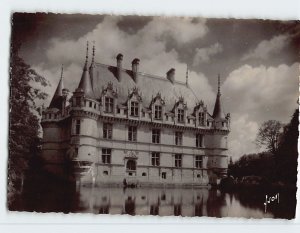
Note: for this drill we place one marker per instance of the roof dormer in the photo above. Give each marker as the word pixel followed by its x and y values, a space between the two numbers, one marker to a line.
pixel 108 99
pixel 180 111
pixel 157 106
pixel 134 103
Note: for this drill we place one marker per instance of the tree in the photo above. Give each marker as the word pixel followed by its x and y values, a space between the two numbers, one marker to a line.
pixel 268 135
pixel 24 126
pixel 287 153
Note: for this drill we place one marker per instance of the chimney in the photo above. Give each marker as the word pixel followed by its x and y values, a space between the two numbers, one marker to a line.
pixel 135 68
pixel 171 75
pixel 119 66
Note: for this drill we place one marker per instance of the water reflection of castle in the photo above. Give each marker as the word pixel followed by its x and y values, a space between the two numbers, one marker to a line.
pixel 135 126
pixel 162 202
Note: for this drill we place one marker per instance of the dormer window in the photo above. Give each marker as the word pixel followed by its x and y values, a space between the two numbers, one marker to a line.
pixel 200 113
pixel 180 115
pixel 179 111
pixel 109 105
pixel 157 112
pixel 157 107
pixel 134 103
pixel 134 109
pixel 108 97
pixel 201 118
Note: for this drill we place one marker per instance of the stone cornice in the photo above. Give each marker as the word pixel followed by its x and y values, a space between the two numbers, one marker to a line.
pixel 114 118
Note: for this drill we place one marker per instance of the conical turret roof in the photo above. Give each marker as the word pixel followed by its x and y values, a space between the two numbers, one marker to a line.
pixel 57 97
pixel 218 113
pixel 85 82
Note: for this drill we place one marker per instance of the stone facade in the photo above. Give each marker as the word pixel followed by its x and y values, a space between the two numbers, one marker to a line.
pixel 137 127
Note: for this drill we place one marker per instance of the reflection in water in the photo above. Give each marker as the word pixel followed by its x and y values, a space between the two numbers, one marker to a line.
pixel 150 201
pixel 130 206
pixel 165 202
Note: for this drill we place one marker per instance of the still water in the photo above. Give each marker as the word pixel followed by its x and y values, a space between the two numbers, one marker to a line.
pixel 151 201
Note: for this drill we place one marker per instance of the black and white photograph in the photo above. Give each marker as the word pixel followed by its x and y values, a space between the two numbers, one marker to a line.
pixel 136 115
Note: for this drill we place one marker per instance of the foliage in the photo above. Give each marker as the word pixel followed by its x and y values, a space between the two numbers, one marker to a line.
pixel 280 166
pixel 287 153
pixel 261 164
pixel 23 123
pixel 268 135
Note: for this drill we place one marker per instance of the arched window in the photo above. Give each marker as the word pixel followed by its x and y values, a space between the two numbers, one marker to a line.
pixel 131 165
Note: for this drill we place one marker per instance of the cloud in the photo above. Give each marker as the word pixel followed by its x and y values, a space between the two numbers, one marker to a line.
pixel 267 48
pixel 242 136
pixel 71 76
pixel 256 94
pixel 149 44
pixel 250 94
pixel 203 55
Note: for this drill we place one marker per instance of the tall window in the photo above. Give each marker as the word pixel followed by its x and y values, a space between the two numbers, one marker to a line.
pixel 155 158
pixel 156 135
pixel 178 138
pixel 134 111
pixel 78 101
pixel 199 140
pixel 201 118
pixel 132 133
pixel 157 112
pixel 178 160
pixel 107 130
pixel 77 127
pixel 199 161
pixel 131 165
pixel 180 115
pixel 106 156
pixel 109 105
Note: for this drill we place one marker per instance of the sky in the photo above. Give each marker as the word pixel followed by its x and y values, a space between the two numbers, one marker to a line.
pixel 257 60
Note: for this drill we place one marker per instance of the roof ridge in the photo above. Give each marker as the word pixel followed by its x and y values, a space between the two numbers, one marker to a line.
pixel 144 74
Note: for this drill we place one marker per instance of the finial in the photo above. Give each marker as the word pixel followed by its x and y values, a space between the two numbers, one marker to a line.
pixel 93 52
pixel 187 75
pixel 219 84
pixel 87 52
pixel 62 71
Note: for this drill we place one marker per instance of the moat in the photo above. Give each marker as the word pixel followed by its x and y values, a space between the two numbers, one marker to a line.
pixel 71 198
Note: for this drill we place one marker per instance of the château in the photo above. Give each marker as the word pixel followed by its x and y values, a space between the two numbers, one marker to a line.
pixel 135 128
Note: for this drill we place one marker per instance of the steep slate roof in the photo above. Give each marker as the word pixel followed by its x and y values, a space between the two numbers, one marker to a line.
pixel 57 97
pixel 86 84
pixel 218 112
pixel 148 85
